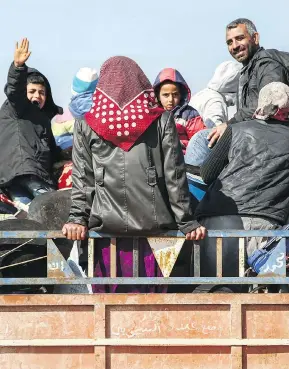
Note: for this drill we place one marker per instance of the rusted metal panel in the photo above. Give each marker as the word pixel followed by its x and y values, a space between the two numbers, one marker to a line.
pixel 145 331
pixel 135 257
pixel 147 280
pixel 47 358
pixel 276 357
pixel 270 321
pixel 169 357
pixel 171 234
pixel 46 322
pixel 90 246
pixel 219 250
pixel 197 259
pixel 57 267
pixel 175 321
pixel 241 257
pixel 166 252
pixel 113 268
pixel 179 331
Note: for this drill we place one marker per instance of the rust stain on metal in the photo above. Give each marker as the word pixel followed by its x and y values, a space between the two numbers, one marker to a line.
pixel 219 250
pixel 167 259
pixel 166 252
pixel 178 331
pixel 267 275
pixel 57 266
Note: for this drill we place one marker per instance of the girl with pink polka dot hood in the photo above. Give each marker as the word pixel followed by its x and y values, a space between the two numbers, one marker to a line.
pixel 128 169
pixel 174 95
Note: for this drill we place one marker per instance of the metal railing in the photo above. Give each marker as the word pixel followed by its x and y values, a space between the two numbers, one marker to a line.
pixel 60 273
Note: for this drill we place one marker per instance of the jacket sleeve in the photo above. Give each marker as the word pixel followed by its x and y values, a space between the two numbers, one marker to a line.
pixel 272 71
pixel 215 112
pixel 16 88
pixel 56 151
pixel 194 125
pixel 268 70
pixel 175 178
pixel 82 176
pixel 218 158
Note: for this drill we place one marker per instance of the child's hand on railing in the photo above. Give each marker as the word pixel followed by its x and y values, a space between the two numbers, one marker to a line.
pixel 197 234
pixel 74 232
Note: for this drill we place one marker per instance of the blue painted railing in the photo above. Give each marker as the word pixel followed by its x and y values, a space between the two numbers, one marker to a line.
pixel 135 280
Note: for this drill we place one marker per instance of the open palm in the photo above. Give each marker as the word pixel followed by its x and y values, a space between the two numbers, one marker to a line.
pixel 21 53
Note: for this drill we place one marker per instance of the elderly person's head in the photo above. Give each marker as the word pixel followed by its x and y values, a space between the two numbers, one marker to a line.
pixel 273 102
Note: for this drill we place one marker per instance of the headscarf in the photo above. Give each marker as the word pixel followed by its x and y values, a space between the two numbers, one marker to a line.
pixel 273 102
pixel 124 103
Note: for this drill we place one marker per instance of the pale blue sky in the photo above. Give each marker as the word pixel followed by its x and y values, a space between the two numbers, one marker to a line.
pixel 184 34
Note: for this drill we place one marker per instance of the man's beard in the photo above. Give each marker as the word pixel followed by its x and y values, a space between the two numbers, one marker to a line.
pixel 250 52
pixel 252 49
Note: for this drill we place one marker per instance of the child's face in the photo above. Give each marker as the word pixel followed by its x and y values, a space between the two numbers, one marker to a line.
pixel 170 96
pixel 36 93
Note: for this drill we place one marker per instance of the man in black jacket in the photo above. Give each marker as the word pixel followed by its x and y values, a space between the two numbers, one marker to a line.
pixel 27 145
pixel 260 67
pixel 248 174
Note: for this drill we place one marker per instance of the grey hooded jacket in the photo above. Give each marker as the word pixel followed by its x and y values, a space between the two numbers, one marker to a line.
pixel 141 191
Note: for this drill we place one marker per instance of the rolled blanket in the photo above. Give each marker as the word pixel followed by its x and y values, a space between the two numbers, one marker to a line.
pixel 64 141
pixel 63 128
pixel 61 118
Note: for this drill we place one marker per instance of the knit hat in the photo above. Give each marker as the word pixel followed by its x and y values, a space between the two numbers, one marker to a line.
pixel 85 80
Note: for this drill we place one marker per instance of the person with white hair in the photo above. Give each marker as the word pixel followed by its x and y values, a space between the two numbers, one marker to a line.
pixel 248 174
pixel 212 103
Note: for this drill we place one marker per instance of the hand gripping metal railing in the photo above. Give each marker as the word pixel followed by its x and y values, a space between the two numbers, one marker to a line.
pixel 59 271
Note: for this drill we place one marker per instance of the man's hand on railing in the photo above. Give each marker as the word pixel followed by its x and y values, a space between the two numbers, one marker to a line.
pixel 197 234
pixel 74 232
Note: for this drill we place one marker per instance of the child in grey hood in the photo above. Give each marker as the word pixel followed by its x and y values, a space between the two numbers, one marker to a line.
pixel 212 103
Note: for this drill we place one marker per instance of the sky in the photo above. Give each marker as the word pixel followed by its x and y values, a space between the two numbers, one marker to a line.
pixel 188 35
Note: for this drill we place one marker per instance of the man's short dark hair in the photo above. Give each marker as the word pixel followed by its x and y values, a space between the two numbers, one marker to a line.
pixel 249 25
pixel 36 79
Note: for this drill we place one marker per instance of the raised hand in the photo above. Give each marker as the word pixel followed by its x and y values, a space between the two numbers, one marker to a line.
pixel 21 53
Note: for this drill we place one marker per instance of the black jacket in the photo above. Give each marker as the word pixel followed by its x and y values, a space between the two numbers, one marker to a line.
pixel 141 191
pixel 255 180
pixel 265 67
pixel 27 145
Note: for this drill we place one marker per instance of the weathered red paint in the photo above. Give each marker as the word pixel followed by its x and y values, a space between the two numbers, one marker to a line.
pixel 206 331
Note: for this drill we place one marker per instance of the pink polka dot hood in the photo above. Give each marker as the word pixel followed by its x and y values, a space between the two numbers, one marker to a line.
pixel 124 104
